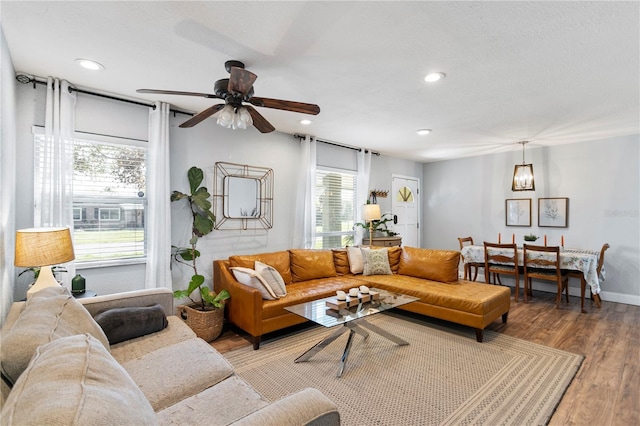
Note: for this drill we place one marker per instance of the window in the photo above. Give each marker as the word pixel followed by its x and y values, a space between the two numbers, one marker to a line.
pixel 109 185
pixel 335 207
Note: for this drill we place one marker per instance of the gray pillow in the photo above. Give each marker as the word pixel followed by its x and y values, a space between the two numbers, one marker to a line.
pixel 120 324
pixel 74 380
pixel 48 315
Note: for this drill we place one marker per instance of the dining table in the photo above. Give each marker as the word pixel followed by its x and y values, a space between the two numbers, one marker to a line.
pixel 571 259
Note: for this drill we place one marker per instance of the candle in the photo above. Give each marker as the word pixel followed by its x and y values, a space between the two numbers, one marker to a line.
pixel 513 238
pixel 499 238
pixel 545 240
pixel 562 240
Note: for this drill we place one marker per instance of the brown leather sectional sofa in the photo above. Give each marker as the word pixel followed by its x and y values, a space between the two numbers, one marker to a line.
pixel 431 275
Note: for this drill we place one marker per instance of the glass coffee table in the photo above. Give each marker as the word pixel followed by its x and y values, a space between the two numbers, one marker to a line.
pixel 352 319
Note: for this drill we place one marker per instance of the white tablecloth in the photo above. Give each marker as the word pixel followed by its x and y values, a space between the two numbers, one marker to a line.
pixel 585 261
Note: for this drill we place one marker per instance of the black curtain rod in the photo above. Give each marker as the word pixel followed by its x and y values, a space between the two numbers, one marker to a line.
pixel 25 79
pixel 299 136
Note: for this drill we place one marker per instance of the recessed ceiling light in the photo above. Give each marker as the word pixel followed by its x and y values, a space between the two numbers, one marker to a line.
pixel 423 132
pixel 434 76
pixel 89 64
pixel 305 121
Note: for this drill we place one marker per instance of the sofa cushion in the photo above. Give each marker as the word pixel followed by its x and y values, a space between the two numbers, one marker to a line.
pixel 253 279
pixel 341 261
pixel 176 331
pixel 74 380
pixel 279 260
pixel 311 264
pixel 120 324
pixel 49 314
pixel 436 265
pixel 376 262
pixel 200 367
pixel 272 277
pixel 394 258
pixel 222 404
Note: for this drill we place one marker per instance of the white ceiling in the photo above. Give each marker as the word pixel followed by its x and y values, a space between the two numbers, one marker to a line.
pixel 548 72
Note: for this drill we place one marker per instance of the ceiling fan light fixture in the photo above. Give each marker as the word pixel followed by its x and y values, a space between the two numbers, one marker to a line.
pixel 225 118
pixel 305 121
pixel 434 76
pixel 243 119
pixel 89 64
pixel 423 132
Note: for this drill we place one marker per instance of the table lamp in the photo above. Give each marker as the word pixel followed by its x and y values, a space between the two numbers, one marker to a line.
pixel 371 212
pixel 43 247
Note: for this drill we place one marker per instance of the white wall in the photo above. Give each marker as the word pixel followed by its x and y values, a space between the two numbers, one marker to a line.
pixel 466 197
pixel 7 176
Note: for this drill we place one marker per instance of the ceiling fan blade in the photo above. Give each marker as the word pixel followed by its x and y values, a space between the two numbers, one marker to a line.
pixel 241 81
pixel 202 115
pixel 259 122
pixel 173 92
pixel 286 105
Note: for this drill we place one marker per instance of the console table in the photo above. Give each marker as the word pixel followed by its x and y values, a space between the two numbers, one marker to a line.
pixel 385 241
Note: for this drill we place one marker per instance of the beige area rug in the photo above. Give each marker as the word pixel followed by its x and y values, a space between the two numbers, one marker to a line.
pixel 442 377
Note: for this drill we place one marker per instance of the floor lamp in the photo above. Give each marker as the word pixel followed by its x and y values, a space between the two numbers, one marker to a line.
pixel 371 212
pixel 43 247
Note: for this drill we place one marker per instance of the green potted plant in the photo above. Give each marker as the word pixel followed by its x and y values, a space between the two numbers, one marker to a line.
pixel 205 314
pixel 379 226
pixel 530 237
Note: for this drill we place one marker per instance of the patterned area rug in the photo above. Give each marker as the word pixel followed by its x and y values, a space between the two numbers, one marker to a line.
pixel 443 377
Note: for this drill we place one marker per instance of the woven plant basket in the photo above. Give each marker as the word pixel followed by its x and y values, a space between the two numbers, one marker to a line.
pixel 206 324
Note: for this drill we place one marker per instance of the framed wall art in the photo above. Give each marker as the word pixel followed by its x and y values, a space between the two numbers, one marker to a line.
pixel 553 212
pixel 518 212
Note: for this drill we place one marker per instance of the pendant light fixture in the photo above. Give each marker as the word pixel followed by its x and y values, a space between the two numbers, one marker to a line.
pixel 523 179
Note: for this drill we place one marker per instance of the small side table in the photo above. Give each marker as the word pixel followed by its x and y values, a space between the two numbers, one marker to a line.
pixel 87 293
pixel 385 241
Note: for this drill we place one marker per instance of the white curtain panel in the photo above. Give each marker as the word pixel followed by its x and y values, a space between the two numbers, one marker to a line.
pixel 305 221
pixel 158 211
pixel 364 173
pixel 53 185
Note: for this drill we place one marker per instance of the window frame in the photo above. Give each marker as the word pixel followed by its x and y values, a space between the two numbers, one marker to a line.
pixel 318 236
pixel 114 140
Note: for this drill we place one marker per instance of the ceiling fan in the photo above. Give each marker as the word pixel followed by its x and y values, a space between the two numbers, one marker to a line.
pixel 235 90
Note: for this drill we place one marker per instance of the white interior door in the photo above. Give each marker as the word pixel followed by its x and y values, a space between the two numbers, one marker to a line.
pixel 405 204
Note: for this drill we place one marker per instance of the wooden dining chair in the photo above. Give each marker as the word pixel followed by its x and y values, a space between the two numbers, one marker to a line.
pixel 502 259
pixel 583 283
pixel 468 241
pixel 543 263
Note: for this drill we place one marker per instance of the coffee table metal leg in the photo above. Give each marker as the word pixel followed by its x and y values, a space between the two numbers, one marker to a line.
pixel 383 333
pixel 322 344
pixel 345 354
pixel 359 330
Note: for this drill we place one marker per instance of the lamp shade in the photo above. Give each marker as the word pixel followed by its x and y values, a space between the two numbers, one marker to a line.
pixel 43 247
pixel 371 212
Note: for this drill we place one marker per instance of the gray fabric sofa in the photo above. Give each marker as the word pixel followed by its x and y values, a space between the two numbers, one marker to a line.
pixel 59 368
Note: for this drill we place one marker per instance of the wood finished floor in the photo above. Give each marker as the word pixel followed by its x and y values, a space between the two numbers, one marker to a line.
pixel 606 390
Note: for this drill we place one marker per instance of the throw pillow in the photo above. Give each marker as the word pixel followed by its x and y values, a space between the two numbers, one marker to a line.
pixel 272 277
pixel 48 315
pixel 120 324
pixel 376 262
pixel 279 260
pixel 356 263
pixel 251 278
pixel 74 380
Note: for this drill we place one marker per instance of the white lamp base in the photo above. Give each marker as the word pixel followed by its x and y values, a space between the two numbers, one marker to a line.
pixel 45 279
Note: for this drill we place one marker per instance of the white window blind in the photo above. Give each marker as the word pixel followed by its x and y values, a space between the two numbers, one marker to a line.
pixel 109 198
pixel 335 207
